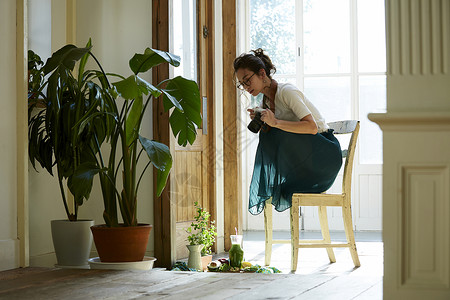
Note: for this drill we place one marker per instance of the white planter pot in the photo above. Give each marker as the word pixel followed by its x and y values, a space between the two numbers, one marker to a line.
pixel 72 242
pixel 195 257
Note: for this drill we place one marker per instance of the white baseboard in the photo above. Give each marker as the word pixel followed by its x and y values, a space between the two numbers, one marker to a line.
pixel 47 260
pixel 9 254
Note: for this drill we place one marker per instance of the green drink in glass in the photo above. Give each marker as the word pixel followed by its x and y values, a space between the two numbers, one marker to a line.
pixel 236 254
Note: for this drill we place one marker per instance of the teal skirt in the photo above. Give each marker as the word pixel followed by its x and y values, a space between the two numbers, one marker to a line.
pixel 287 163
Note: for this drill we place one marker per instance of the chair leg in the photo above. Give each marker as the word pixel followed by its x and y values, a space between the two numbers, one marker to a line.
pixel 294 236
pixel 268 231
pixel 348 226
pixel 323 219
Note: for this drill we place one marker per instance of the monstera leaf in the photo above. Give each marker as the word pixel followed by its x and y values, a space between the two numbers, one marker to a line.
pixel 183 122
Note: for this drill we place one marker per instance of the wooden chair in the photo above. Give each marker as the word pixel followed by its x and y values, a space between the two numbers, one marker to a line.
pixel 322 201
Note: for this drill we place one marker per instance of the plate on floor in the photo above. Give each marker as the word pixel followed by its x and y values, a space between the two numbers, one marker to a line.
pixel 145 264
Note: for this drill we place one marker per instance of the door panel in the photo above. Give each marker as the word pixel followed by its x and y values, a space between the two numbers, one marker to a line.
pixel 189 180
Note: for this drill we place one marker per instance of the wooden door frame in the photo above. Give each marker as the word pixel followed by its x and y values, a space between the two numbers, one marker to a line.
pixel 164 209
pixel 206 50
pixel 231 138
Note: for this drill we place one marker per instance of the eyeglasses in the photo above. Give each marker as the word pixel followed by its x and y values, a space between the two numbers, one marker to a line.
pixel 246 82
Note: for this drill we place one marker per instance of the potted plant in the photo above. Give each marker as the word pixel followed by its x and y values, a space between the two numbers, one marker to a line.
pixel 120 110
pixel 58 142
pixel 202 235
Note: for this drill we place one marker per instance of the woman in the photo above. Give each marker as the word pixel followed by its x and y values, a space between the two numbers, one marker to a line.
pixel 297 153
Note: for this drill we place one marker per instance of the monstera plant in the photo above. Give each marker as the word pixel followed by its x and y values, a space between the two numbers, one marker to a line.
pixel 125 103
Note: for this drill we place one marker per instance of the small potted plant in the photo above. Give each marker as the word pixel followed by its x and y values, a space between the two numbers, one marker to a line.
pixel 202 235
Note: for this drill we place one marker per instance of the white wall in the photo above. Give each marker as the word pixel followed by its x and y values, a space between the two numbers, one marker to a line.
pixel 44 197
pixel 118 28
pixel 9 244
pixel 45 202
pixel 39 27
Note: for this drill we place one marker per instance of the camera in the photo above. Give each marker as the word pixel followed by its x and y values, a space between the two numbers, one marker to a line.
pixel 256 124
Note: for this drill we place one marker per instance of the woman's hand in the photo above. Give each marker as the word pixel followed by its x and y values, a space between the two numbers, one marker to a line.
pixel 268 117
pixel 252 113
pixel 306 125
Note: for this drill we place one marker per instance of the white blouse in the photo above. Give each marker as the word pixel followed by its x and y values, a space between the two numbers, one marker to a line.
pixel 292 105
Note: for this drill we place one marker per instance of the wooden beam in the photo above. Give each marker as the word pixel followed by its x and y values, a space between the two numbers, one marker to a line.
pixel 232 187
pixel 206 84
pixel 211 151
pixel 162 208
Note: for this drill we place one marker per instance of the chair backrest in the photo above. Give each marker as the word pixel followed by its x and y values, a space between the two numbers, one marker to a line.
pixel 347 127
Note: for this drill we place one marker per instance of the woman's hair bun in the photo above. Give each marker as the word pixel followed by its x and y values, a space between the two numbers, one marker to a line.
pixel 259 52
pixel 269 66
pixel 255 61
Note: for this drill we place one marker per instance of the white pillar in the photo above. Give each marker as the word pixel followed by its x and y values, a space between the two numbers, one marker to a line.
pixel 416 150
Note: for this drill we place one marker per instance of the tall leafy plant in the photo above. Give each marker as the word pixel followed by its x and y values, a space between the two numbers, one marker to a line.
pixel 56 139
pixel 124 104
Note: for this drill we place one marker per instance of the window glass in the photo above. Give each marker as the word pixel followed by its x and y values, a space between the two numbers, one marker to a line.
pixel 331 96
pixel 272 28
pixel 184 37
pixel 285 79
pixel 372 98
pixel 326 36
pixel 371 36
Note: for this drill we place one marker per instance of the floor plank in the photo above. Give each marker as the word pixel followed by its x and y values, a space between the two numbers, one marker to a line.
pixel 340 287
pixel 315 278
pixel 285 288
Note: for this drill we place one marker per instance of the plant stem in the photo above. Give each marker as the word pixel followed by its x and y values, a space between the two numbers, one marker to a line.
pixel 63 195
pixel 101 68
pixel 142 174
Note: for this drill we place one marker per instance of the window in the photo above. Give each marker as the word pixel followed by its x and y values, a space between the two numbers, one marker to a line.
pixel 333 50
pixel 183 39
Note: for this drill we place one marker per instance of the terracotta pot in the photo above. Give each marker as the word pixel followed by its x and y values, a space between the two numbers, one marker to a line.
pixel 121 244
pixel 205 261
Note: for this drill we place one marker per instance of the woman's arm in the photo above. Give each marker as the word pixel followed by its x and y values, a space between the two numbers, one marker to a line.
pixel 305 125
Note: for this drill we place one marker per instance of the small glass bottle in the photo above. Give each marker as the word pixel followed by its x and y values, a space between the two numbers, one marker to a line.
pixel 236 254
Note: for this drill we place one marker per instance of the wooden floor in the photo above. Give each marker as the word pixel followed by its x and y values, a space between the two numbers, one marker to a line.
pixel 316 278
